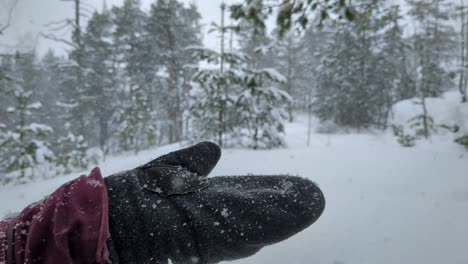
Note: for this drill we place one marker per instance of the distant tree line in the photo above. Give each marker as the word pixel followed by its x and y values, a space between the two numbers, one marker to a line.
pixel 135 79
pixel 132 80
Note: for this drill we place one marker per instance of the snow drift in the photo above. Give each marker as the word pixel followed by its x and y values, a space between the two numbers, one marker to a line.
pixel 446 111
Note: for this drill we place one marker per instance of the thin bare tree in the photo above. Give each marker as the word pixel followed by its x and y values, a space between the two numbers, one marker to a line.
pixel 462 84
pixel 11 8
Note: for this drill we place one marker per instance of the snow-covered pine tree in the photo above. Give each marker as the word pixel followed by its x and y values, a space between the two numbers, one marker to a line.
pixel 6 67
pixel 135 116
pixel 99 82
pixel 68 150
pixel 291 62
pixel 217 85
pixel 134 122
pixel 262 105
pixel 342 96
pixel 262 108
pixel 393 74
pixel 309 53
pixel 350 92
pixel 463 81
pixel 394 57
pixel 23 137
pixel 170 28
pixel 304 60
pixel 73 83
pixel 3 70
pixel 214 96
pixel 6 64
pixel 433 42
pixel 67 81
pixel 49 91
pixel 3 73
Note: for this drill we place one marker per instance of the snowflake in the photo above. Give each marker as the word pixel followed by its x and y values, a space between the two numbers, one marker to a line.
pixel 225 212
pixel 94 183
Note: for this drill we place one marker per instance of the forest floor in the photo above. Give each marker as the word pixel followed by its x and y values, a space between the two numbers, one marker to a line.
pixel 385 203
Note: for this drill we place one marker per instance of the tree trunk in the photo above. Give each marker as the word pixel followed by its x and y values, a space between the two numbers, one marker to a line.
pixel 289 76
pixel 461 84
pixel 309 116
pixel 103 134
pixel 175 112
pixel 425 117
pixel 22 123
pixel 423 96
pixel 221 88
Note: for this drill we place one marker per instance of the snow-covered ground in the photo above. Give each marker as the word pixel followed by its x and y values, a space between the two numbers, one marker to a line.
pixel 445 110
pixel 385 203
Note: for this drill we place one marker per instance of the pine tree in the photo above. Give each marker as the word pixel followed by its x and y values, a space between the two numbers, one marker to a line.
pixel 3 71
pixel 171 28
pixel 135 114
pixel 353 90
pixel 68 150
pixel 291 62
pixel 262 108
pixel 340 96
pixel 214 97
pixel 393 64
pixel 23 137
pixel 75 77
pixel 262 104
pixel 254 110
pixel 236 101
pixel 433 42
pixel 99 82
pixel 6 64
pixel 463 84
pixel 305 57
pixel 394 58
pixel 298 57
pixel 50 91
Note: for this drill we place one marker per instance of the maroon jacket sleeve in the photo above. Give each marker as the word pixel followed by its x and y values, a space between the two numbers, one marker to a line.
pixel 69 226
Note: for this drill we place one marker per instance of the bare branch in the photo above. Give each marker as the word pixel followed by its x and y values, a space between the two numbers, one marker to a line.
pixel 10 13
pixel 59 22
pixel 84 15
pixel 89 9
pixel 55 38
pixel 84 3
pixel 58 26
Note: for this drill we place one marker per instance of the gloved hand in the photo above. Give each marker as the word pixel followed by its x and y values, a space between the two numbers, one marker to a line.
pixel 169 209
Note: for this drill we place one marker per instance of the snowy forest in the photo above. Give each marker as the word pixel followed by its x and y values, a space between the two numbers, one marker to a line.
pixel 365 100
pixel 134 79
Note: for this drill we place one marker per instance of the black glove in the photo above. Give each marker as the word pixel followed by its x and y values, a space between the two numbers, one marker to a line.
pixel 169 209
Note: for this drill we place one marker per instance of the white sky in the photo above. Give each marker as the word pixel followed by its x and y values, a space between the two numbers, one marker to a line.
pixel 31 16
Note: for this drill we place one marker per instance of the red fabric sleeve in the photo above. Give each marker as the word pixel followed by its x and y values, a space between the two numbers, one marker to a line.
pixel 69 226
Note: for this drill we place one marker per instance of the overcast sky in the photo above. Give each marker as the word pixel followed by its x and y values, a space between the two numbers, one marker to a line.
pixel 30 17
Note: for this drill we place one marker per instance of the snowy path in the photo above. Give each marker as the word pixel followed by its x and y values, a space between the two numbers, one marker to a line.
pixel 385 203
